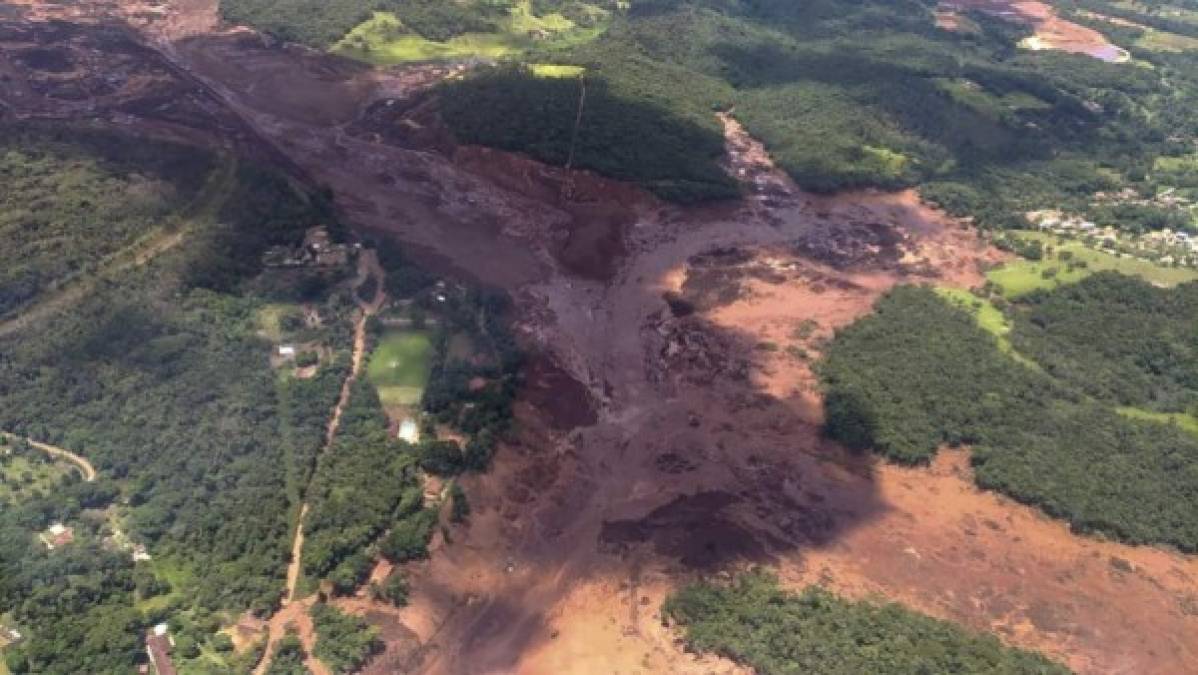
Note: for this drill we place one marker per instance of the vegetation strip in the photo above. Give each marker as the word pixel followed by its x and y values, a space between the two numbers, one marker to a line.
pixel 754 622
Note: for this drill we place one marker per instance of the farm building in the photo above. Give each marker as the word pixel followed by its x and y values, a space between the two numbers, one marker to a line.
pixel 57 536
pixel 158 648
pixel 409 431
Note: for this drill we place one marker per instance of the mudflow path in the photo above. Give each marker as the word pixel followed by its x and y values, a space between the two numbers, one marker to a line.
pixel 669 426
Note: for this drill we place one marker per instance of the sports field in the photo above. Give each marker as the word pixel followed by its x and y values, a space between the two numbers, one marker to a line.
pixel 399 367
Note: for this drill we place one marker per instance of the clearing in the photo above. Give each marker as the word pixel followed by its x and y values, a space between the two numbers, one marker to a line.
pixel 384 39
pixel 22 476
pixel 989 317
pixel 1050 30
pixel 84 467
pixel 1183 420
pixel 1024 276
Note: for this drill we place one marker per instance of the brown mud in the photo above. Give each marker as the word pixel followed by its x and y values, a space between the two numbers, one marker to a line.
pixel 1050 30
pixel 670 425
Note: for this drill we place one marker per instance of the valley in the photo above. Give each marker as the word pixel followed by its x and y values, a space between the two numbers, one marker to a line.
pixel 669 418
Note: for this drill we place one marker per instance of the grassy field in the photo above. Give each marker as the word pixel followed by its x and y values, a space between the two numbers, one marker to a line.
pixel 399 366
pixel 989 318
pixel 1160 40
pixel 270 320
pixel 21 476
pixel 993 106
pixel 1183 164
pixel 178 576
pixel 556 70
pixel 384 39
pixel 1024 276
pixel 1187 422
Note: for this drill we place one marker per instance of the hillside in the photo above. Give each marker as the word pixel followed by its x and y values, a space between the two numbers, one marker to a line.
pixel 566 336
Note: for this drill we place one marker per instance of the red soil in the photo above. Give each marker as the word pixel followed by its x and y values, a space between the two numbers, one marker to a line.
pixel 658 442
pixel 1053 31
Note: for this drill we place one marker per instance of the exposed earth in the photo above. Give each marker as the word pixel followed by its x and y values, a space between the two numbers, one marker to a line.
pixel 1050 31
pixel 670 425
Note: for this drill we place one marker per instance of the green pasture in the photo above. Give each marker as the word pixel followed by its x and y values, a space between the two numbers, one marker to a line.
pixel 21 476
pixel 399 366
pixel 989 318
pixel 556 70
pixel 383 39
pixel 1021 277
pixel 1182 420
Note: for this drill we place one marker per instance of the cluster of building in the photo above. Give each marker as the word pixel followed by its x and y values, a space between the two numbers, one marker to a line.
pixel 1163 247
pixel 317 250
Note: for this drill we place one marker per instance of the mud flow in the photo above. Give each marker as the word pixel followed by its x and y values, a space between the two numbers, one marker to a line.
pixel 669 424
pixel 1050 30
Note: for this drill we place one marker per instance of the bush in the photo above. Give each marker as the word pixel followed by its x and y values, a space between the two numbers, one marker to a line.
pixel 343 642
pixel 394 589
pixel 409 537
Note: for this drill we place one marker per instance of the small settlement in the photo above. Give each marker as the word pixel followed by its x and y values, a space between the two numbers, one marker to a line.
pixel 317 250
pixel 1163 247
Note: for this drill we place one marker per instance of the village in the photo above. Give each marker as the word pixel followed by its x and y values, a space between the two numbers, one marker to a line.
pixel 1166 247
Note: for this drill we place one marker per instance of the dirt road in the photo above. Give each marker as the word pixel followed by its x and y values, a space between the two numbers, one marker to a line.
pixel 86 470
pixel 294 611
pixel 202 210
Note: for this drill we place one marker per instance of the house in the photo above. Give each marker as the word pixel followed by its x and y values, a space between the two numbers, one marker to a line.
pixel 9 636
pixel 409 431
pixel 140 554
pixel 286 351
pixel 316 249
pixel 158 648
pixel 57 536
pixel 317 239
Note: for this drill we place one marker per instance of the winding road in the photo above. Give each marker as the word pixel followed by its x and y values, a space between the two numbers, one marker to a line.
pixel 85 467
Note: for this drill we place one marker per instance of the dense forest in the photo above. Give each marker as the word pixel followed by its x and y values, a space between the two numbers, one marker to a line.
pixel 843 94
pixel 1118 339
pixel 919 374
pixel 850 95
pixel 364 485
pixel 625 135
pixel 756 623
pixel 60 212
pixel 160 377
